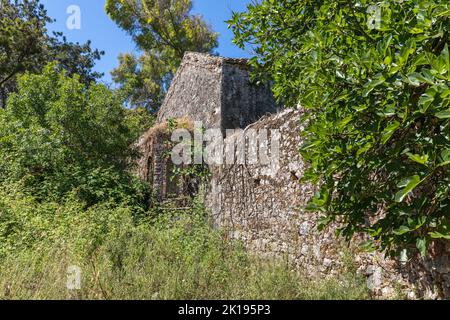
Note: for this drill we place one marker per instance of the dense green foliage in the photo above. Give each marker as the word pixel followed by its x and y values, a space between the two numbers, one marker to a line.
pixel 164 30
pixel 58 136
pixel 25 45
pixel 377 99
pixel 176 256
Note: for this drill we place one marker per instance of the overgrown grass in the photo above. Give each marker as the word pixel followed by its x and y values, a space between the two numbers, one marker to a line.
pixel 173 256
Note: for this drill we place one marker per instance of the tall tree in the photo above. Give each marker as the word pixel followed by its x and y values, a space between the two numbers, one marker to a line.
pixel 164 30
pixel 25 45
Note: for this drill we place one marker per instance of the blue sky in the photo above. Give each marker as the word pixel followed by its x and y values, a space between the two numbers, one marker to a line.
pixel 105 35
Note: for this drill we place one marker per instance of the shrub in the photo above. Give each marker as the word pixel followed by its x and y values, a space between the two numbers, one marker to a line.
pixel 374 81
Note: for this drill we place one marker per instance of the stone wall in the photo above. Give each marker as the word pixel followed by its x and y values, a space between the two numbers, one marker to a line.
pixel 262 206
pixel 243 103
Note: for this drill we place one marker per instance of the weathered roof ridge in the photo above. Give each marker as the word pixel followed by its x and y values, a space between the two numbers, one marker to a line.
pixel 207 58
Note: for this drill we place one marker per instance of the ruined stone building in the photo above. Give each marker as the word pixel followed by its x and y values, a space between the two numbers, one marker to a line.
pixel 262 204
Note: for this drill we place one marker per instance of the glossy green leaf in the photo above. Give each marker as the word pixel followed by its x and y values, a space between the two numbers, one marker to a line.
pixel 438 235
pixel 408 186
pixel 402 230
pixel 389 131
pixel 443 114
pixel 422 159
pixel 421 245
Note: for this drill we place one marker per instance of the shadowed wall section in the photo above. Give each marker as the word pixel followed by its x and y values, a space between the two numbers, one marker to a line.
pixel 216 91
